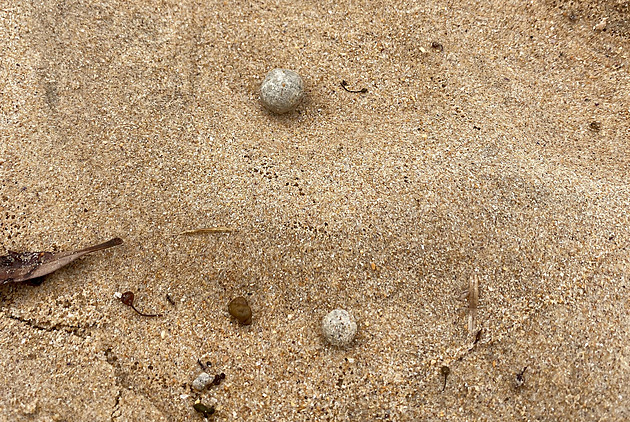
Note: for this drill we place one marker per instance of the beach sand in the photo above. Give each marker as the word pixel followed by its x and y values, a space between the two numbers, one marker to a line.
pixel 492 145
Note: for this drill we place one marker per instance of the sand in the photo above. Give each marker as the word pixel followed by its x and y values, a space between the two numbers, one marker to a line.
pixel 492 144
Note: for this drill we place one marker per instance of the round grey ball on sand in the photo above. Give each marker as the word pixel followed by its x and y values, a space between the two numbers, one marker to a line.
pixel 339 327
pixel 282 90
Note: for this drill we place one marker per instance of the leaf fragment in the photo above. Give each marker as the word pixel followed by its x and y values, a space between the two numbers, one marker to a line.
pixel 206 411
pixel 21 266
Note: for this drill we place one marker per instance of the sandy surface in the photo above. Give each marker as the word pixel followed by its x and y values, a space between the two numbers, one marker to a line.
pixel 493 142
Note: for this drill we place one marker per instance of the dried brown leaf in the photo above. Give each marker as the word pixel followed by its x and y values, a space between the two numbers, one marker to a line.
pixel 22 266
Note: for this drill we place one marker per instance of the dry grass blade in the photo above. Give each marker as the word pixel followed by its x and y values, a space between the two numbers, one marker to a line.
pixel 22 266
pixel 219 229
pixel 471 295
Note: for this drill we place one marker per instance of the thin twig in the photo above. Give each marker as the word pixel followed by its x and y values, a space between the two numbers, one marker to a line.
pixel 219 229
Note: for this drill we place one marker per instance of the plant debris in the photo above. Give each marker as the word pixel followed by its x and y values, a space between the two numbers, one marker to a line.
pixel 478 336
pixel 218 378
pixel 219 229
pixel 203 366
pixel 471 295
pixel 239 309
pixel 344 85
pixel 128 297
pixel 445 370
pixel 519 378
pixel 436 45
pixel 206 411
pixel 21 266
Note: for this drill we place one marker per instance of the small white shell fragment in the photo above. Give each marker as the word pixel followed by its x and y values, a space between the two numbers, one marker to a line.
pixel 281 90
pixel 201 381
pixel 601 25
pixel 339 328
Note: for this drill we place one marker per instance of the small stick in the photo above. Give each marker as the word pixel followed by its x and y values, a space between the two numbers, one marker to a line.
pixel 478 336
pixel 219 229
pixel 520 374
pixel 519 377
pixel 475 341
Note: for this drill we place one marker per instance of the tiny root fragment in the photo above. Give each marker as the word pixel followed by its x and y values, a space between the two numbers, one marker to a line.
pixel 344 85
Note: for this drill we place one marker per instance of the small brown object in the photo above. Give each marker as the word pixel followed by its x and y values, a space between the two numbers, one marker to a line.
pixel 22 266
pixel 519 378
pixel 206 411
pixel 439 47
pixel 344 85
pixel 240 310
pixel 128 297
pixel 218 378
pixel 445 371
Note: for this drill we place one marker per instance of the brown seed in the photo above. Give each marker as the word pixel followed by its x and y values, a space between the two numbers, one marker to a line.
pixel 445 370
pixel 240 310
pixel 439 47
pixel 128 297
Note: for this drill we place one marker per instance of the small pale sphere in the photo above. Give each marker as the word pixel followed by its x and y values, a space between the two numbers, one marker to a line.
pixel 339 328
pixel 281 91
pixel 201 381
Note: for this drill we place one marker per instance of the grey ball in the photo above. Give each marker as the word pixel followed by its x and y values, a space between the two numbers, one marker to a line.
pixel 281 90
pixel 201 381
pixel 339 328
